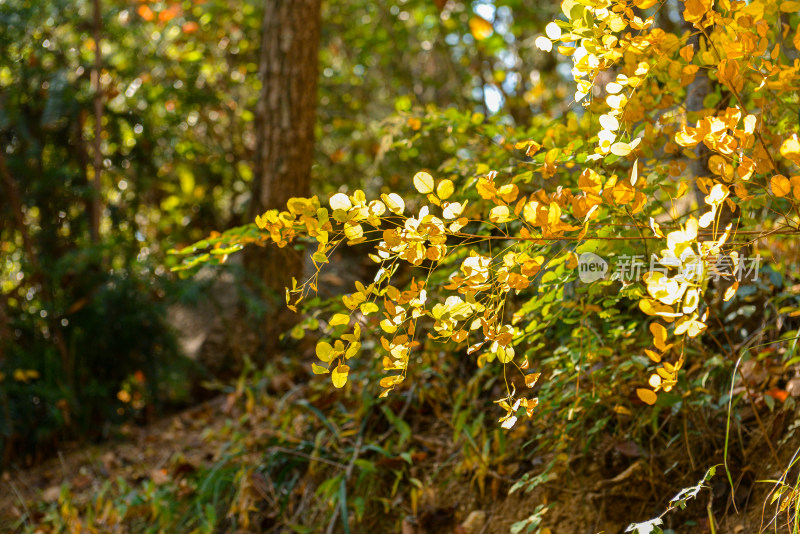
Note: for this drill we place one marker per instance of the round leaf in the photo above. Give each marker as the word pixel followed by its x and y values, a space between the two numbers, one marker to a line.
pixel 423 182
pixel 647 396
pixel 340 201
pixel 444 189
pixel 339 376
pixel 324 351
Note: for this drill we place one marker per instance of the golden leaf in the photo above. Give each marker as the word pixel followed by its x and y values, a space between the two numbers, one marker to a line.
pixel 339 319
pixel 553 214
pixel 647 396
pixel 530 380
pixel 731 291
pixel 500 214
pixel 790 149
pixel 655 381
pixel 659 335
pixel 780 185
pixel 653 355
pixel 325 351
pixel 444 189
pixel 340 201
pixel 508 193
pixel 339 376
pixel 480 28
pixel 609 123
pixel 319 370
pixel 620 149
pixel 394 203
pixel 505 354
pixel 423 182
pixel 589 181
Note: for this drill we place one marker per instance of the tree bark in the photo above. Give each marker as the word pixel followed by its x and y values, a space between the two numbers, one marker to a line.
pixel 285 120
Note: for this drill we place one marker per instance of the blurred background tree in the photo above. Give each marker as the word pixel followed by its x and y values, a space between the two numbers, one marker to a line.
pixel 159 130
pixel 285 120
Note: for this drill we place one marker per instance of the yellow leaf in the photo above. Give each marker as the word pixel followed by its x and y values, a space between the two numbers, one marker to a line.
pixel 655 381
pixel 687 52
pixel 635 172
pixel 620 149
pixel 566 7
pixel 530 380
pixel 647 396
pixel 616 101
pixel 352 350
pixel 339 375
pixel 389 381
pixel 533 148
pixel 790 149
pixel 500 214
pixel 589 181
pixel 353 232
pixel 423 182
pixel 368 308
pixel 553 214
pixel 325 351
pixel 790 6
pixel 731 291
pixel 444 189
pixel 388 327
pixel 480 28
pixel 609 123
pixel 394 202
pixel 505 354
pixel 508 192
pixel 695 10
pixel 339 319
pixel 659 335
pixel 340 201
pixel 653 355
pixel 780 185
pixel 656 228
pixel 529 212
pixel 452 209
pixel 319 370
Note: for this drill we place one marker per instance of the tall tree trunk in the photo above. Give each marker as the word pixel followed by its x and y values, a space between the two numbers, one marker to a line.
pixel 285 119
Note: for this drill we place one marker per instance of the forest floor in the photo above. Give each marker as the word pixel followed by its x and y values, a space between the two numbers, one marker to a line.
pixel 602 491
